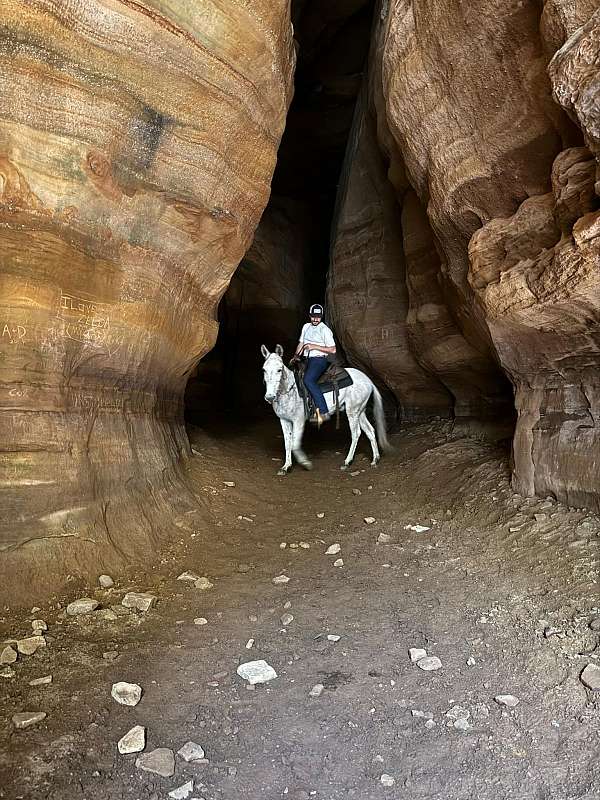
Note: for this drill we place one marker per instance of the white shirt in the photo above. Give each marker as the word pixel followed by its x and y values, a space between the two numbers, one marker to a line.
pixel 317 334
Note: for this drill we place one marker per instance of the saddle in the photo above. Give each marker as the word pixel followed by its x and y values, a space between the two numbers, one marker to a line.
pixel 333 379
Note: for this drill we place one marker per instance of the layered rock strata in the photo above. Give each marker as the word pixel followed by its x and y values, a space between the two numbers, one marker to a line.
pixel 137 145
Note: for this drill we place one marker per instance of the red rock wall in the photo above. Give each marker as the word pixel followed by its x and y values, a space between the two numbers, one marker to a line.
pixel 137 145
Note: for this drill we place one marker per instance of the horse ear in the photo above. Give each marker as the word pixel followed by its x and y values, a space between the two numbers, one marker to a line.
pixel 279 350
pixel 264 351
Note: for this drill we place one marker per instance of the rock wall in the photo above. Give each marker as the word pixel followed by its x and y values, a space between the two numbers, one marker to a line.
pixel 481 110
pixel 137 146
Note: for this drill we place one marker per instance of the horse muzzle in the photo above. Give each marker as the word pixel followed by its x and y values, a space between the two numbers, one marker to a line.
pixel 269 398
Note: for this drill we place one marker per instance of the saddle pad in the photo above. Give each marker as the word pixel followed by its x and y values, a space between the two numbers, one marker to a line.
pixel 342 384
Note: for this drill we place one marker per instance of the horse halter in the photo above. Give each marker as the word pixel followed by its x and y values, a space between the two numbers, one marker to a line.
pixel 281 381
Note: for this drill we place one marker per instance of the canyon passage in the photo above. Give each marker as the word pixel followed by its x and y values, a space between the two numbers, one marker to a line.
pixel 179 181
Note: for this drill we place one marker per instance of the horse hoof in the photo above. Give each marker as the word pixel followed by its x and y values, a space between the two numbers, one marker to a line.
pixel 307 465
pixel 282 472
pixel 344 466
pixel 374 462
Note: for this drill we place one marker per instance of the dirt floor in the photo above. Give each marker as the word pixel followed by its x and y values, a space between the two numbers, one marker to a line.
pixel 501 588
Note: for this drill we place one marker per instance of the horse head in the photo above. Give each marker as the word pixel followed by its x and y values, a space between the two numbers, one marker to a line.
pixel 273 371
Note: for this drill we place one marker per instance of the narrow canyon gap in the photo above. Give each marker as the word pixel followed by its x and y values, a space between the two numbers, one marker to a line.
pixel 456 244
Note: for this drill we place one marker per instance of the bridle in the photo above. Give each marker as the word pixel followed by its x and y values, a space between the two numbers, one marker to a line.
pixel 278 392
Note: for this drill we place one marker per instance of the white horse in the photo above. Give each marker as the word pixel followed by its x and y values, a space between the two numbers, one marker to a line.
pixel 282 393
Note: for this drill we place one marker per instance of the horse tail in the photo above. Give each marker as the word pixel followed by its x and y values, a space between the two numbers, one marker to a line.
pixel 380 421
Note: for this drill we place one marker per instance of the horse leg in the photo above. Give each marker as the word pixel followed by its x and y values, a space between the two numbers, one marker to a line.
pixel 368 429
pixel 355 433
pixel 299 454
pixel 286 427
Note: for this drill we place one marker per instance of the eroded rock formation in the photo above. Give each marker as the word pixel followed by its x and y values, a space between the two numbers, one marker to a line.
pixel 137 146
pixel 498 219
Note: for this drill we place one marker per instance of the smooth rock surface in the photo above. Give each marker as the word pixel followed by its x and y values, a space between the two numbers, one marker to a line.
pixel 591 677
pixel 142 601
pixel 29 645
pixel 191 751
pixel 8 655
pixel 133 741
pixel 27 718
pixel 85 605
pixel 256 672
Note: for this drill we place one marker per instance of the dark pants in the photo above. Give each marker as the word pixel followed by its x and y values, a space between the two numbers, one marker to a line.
pixel 315 367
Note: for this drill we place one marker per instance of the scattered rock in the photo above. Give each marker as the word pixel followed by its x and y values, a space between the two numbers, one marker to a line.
pixel 105 581
pixel 127 694
pixel 356 492
pixel 280 579
pixel 461 725
pixel 509 700
pixel 305 545
pixel 415 712
pixel 191 752
pixel 256 672
pixel 550 631
pixel 387 780
pixel 287 605
pixel 85 605
pixel 458 712
pixel 417 528
pixel 184 791
pixel 339 562
pixel 203 583
pixel 134 741
pixel 7 672
pixel 429 663
pixel 317 690
pixel 44 681
pixel 384 538
pixel 27 718
pixel 370 520
pixel 200 621
pixel 470 661
pixel 230 484
pixel 160 761
pixel 320 514
pixel 8 655
pixel 283 545
pixel 249 644
pixel 591 677
pixel 416 653
pixel 39 625
pixel 110 655
pixel 28 646
pixel 431 723
pixel 333 549
pixel 286 619
pixel 142 601
pixel 595 624
pixel 188 576
pixel 332 637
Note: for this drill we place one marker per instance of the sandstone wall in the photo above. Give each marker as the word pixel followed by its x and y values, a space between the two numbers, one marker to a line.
pixel 137 145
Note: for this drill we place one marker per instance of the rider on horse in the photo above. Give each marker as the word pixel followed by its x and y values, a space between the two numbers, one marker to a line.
pixel 316 342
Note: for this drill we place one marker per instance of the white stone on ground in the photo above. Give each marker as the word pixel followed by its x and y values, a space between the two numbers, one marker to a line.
pixel 27 718
pixel 416 653
pixel 417 528
pixel 458 712
pixel 320 514
pixel 203 583
pixel 461 725
pixel 249 644
pixel 431 723
pixel 188 576
pixel 191 752
pixel 590 677
pixel 332 637
pixel 134 741
pixel 384 538
pixel 370 520
pixel 105 581
pixel 200 621
pixel 43 681
pixel 339 562
pixel 28 646
pixel 286 619
pixel 85 605
pixel 305 545
pixel 256 672
pixel 317 690
pixel 429 663
pixel 333 549
pixel 470 661
pixel 39 625
pixel 508 700
pixel 142 601
pixel 280 579
pixel 230 484
pixel 8 655
pixel 182 792
pixel 127 694
pixel 387 780
pixel 160 761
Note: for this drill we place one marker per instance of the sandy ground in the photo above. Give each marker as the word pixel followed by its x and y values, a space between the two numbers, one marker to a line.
pixel 503 597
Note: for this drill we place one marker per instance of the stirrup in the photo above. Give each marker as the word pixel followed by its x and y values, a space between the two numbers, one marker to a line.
pixel 318 418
